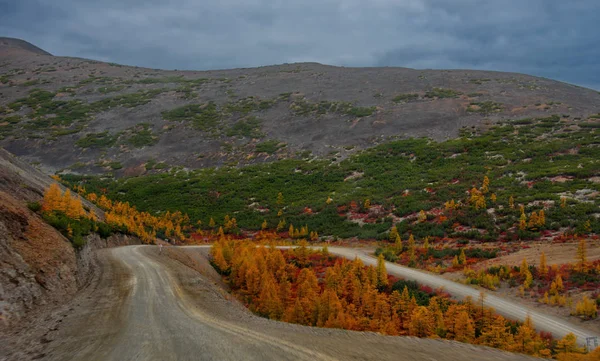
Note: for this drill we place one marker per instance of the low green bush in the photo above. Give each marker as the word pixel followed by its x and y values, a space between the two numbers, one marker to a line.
pixel 97 140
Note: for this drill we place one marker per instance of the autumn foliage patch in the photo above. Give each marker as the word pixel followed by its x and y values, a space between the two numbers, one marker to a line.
pixel 313 288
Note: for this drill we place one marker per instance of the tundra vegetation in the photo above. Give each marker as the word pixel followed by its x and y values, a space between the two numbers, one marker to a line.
pixel 441 206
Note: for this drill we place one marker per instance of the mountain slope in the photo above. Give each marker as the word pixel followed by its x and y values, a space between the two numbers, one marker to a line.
pixel 39 267
pixel 18 45
pixel 95 117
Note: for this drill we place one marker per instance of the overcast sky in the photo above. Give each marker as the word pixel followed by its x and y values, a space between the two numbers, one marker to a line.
pixel 550 38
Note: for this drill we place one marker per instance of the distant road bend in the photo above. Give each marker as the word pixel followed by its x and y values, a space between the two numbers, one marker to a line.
pixel 507 308
pixel 148 306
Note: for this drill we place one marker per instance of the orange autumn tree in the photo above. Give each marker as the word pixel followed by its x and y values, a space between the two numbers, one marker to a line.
pixel 66 202
pixel 52 198
pixel 141 224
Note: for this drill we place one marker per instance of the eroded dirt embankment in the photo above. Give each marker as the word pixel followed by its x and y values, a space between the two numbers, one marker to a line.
pixel 40 274
pixel 40 271
pixel 92 316
pixel 38 265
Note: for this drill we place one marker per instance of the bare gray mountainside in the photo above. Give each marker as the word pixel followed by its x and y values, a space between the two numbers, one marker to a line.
pixel 8 45
pixel 91 117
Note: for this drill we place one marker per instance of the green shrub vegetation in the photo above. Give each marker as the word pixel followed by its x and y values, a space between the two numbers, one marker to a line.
pixel 304 107
pixel 269 146
pixel 32 82
pixel 202 116
pixel 142 136
pixel 405 98
pixel 176 80
pixel 479 81
pixel 249 128
pixel 519 157
pixel 97 140
pixel 48 112
pixel 66 131
pixel 487 107
pixel 125 100
pixel 248 105
pixel 442 93
pixel 361 111
pixel 76 229
pixel 115 165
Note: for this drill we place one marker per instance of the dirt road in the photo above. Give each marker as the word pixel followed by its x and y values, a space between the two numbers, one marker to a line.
pixel 151 307
pixel 510 309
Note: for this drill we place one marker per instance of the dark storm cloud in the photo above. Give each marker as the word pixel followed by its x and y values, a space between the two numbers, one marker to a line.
pixel 555 39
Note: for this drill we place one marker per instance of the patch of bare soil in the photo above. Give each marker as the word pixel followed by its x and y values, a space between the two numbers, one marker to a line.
pixel 556 253
pixel 94 314
pixel 560 312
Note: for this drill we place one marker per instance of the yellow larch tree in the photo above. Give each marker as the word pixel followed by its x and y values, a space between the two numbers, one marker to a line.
pixel 462 258
pixel 526 339
pixel 382 277
pixel 559 283
pixel 533 220
pixel 523 221
pixel 568 344
pixel 497 335
pixel 65 201
pixel 543 267
pixel 398 247
pixel 421 324
pixel 464 330
pixel 52 198
pixel 422 217
pixel 74 208
pixel 393 233
pixel 586 308
pixel 541 218
pixel 281 224
pixel 486 185
pixel 582 256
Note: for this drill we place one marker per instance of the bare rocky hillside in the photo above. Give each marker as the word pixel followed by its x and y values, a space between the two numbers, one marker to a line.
pixel 93 117
pixel 39 268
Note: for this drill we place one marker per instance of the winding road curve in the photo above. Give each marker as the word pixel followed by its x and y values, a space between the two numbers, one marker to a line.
pixel 162 325
pixel 151 307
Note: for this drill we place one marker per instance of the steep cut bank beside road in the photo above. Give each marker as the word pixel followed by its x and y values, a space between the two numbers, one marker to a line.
pixel 39 268
pixel 37 264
